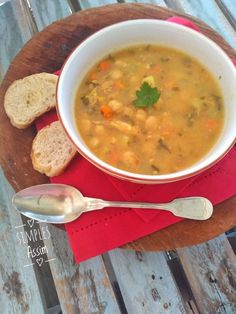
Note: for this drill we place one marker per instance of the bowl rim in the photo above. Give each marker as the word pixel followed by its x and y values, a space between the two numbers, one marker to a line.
pixel 123 174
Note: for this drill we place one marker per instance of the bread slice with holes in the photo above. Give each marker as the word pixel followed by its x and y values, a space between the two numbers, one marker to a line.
pixel 51 150
pixel 28 98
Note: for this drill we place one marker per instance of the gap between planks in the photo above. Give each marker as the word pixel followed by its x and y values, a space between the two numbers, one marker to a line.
pixel 211 272
pixel 81 288
pixel 20 292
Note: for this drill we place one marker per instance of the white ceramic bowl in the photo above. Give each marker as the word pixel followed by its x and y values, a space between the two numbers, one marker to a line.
pixel 147 31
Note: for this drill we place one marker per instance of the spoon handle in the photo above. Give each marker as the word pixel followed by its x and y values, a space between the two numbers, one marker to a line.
pixel 198 208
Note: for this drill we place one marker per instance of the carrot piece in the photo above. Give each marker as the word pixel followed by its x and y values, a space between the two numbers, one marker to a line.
pixel 113 157
pixel 167 131
pixel 118 85
pixel 211 124
pixel 106 111
pixel 104 65
pixel 170 84
pixel 93 76
pixel 154 70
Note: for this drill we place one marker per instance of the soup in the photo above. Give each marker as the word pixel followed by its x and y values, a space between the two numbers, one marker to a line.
pixel 149 110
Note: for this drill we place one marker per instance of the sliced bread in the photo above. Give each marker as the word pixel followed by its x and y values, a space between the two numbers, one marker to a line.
pixel 52 150
pixel 28 98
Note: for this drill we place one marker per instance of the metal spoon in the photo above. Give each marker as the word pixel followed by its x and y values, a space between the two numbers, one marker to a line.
pixel 59 203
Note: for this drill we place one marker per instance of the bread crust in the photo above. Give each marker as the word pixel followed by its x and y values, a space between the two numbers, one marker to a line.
pixel 51 150
pixel 28 98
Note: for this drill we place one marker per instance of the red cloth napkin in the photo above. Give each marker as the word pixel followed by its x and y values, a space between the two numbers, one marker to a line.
pixel 99 231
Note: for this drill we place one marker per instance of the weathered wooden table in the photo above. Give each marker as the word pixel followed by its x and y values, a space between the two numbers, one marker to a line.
pixel 197 279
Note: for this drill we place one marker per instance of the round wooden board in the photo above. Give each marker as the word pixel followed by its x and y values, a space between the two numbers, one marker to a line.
pixel 47 51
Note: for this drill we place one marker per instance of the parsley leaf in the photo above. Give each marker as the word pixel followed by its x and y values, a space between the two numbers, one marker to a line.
pixel 146 96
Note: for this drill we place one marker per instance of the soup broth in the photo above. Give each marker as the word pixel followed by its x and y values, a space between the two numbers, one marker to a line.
pixel 149 110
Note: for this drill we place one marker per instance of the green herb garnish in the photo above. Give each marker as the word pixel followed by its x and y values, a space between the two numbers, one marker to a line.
pixel 146 96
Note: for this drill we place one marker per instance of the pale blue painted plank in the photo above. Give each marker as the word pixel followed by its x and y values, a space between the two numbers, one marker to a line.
pixel 14 32
pixel 157 2
pixel 231 5
pixel 47 11
pixel 18 284
pixel 2 2
pixel 83 288
pixel 209 12
pixel 146 282
pixel 229 11
pixel 211 272
pixel 86 4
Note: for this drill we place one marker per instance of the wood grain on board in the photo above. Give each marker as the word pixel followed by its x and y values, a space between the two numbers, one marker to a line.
pixel 47 51
pixel 146 279
pixel 209 11
pixel 19 286
pixel 83 288
pixel 210 269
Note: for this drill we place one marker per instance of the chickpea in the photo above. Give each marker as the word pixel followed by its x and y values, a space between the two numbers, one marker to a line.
pixel 121 63
pixel 99 129
pixel 148 147
pixel 115 105
pixel 130 159
pixel 125 139
pixel 151 123
pixel 107 87
pixel 141 115
pixel 128 112
pixel 86 125
pixel 116 74
pixel 94 142
pixel 113 140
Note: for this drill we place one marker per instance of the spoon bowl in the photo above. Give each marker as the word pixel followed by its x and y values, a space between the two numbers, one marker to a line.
pixel 52 203
pixel 60 203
